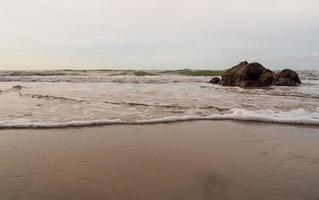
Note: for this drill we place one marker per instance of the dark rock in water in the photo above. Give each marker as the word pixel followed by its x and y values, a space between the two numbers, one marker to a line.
pixel 286 77
pixel 17 87
pixel 215 80
pixel 248 75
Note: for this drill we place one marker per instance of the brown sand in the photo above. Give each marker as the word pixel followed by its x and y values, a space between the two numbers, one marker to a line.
pixel 181 161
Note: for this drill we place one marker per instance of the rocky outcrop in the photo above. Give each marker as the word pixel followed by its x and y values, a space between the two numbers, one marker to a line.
pixel 286 77
pixel 255 75
pixel 216 80
pixel 248 75
pixel 17 87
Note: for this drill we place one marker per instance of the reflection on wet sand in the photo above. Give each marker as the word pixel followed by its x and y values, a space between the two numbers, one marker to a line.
pixel 216 187
pixel 196 160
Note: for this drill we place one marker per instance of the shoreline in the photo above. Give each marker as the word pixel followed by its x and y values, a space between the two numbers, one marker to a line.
pixel 92 124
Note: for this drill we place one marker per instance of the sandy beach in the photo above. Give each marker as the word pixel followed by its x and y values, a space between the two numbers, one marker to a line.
pixel 159 100
pixel 189 160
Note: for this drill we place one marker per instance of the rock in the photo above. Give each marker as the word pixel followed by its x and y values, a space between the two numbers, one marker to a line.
pixel 248 75
pixel 215 80
pixel 286 77
pixel 17 87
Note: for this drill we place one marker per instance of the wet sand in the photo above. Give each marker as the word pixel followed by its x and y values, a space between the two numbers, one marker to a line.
pixel 201 160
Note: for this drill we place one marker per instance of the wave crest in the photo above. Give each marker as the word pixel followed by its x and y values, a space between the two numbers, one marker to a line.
pixel 297 117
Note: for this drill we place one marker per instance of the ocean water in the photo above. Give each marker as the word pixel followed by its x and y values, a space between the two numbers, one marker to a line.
pixel 51 99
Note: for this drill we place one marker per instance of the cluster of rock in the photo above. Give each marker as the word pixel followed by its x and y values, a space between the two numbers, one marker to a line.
pixel 255 75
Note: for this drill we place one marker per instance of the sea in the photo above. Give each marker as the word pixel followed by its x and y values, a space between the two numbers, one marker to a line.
pixel 77 98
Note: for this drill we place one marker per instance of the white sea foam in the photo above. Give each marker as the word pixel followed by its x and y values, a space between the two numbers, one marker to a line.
pixel 298 117
pixel 54 101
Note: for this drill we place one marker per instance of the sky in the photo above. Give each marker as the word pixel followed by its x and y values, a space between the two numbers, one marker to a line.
pixel 158 34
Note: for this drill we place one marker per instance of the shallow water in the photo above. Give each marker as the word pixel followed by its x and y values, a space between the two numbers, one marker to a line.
pixel 89 98
pixel 189 160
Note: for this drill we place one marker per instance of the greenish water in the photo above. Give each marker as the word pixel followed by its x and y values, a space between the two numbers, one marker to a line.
pixel 190 72
pixel 111 72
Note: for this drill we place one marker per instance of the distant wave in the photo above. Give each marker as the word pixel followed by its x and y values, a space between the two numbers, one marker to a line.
pixel 297 117
pixel 122 76
pixel 110 72
pixel 105 79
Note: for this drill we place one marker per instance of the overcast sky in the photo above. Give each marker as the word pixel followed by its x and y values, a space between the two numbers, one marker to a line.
pixel 165 34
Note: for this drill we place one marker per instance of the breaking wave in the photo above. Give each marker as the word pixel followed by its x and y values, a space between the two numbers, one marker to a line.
pixel 296 117
pixel 80 99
